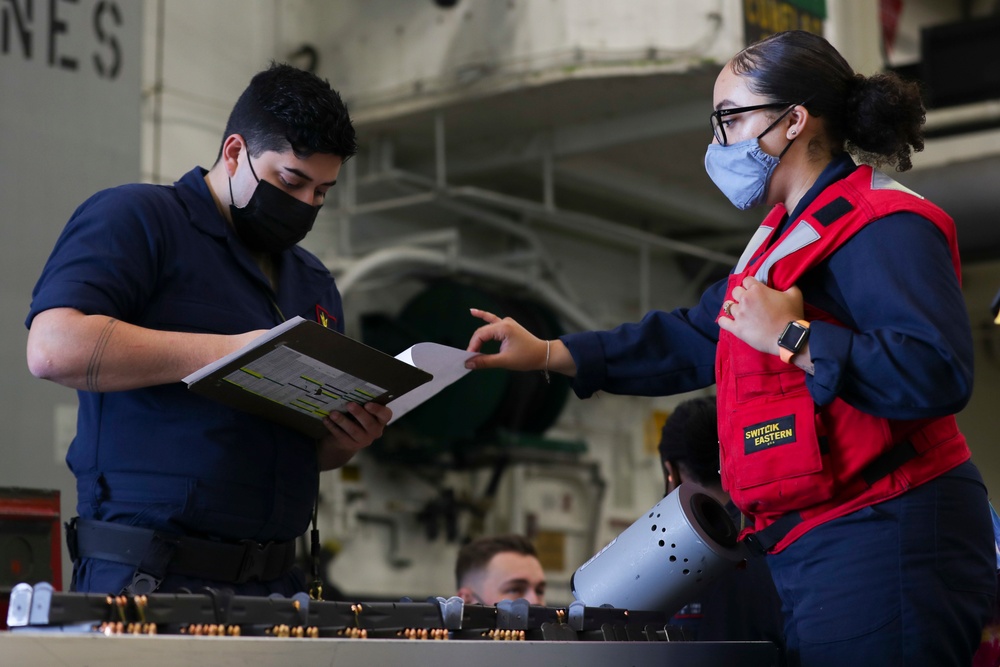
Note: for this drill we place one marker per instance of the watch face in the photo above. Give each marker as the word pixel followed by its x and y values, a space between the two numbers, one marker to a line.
pixel 793 337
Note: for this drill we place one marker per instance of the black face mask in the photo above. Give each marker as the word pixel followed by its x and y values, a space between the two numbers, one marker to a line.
pixel 273 220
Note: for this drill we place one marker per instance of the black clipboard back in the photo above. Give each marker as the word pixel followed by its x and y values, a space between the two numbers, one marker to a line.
pixel 300 371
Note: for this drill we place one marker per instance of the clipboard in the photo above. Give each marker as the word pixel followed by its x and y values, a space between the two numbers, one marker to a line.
pixel 300 371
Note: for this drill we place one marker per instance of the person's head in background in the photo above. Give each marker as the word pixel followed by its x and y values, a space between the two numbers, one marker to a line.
pixel 499 567
pixel 689 447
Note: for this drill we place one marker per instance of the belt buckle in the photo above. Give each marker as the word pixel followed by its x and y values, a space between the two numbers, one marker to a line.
pixel 253 563
pixel 143 583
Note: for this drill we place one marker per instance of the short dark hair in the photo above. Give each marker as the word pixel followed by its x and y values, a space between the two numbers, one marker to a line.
pixel 286 107
pixel 477 554
pixel 690 438
pixel 878 117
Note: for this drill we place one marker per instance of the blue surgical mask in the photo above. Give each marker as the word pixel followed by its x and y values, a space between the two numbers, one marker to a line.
pixel 742 171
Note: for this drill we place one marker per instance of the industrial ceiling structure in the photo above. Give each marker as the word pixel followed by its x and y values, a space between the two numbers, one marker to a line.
pixel 603 149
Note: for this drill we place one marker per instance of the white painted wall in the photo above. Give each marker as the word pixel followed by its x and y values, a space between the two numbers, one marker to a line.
pixel 69 122
pixel 482 47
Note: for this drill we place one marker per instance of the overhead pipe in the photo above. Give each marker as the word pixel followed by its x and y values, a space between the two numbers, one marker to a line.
pixel 560 218
pixel 381 260
pixel 481 216
pixel 440 146
pixel 599 227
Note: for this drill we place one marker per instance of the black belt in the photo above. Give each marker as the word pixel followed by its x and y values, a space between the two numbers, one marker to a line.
pixel 155 553
pixel 762 541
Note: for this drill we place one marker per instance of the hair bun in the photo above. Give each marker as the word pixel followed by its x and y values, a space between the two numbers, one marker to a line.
pixel 857 88
pixel 857 85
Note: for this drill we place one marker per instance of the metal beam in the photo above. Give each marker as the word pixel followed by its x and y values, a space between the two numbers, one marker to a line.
pixel 576 139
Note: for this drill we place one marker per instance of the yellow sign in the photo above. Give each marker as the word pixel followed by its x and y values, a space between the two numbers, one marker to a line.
pixel 551 548
pixel 654 427
pixel 766 17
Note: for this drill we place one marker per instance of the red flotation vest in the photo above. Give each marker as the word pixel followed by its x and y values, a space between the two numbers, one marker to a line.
pixel 782 455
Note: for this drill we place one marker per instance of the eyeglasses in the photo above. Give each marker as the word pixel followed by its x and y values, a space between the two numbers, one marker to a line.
pixel 719 125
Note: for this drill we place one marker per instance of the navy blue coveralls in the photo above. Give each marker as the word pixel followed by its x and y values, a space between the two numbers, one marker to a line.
pixel 910 581
pixel 163 457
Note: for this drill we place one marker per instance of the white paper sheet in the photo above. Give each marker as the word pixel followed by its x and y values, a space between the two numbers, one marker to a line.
pixel 446 364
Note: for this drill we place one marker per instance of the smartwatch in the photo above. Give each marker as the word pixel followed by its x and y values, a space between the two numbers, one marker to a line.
pixel 792 339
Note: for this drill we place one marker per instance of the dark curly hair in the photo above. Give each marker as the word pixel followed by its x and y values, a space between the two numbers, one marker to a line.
pixel 878 118
pixel 690 437
pixel 285 107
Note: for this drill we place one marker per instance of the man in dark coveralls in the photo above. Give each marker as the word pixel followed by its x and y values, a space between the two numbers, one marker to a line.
pixel 149 283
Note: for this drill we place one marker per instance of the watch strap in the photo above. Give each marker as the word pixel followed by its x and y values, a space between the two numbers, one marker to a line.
pixel 784 353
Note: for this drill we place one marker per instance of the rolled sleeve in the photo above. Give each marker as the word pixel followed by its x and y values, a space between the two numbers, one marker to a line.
pixel 104 261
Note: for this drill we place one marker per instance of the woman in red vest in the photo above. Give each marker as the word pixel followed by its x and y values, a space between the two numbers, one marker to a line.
pixel 842 350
